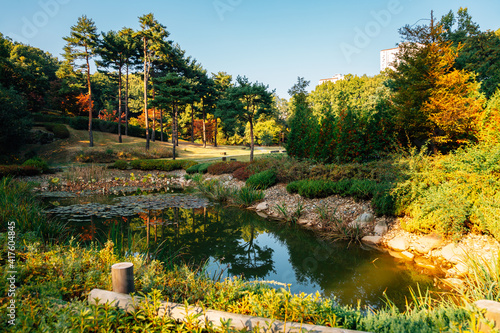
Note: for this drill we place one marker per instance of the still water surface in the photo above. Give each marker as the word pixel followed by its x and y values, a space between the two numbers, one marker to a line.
pixel 237 242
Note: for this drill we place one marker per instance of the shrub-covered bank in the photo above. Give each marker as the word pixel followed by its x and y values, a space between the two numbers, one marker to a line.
pixel 54 277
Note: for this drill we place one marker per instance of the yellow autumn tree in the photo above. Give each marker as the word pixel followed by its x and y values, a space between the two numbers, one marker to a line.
pixel 489 122
pixel 455 104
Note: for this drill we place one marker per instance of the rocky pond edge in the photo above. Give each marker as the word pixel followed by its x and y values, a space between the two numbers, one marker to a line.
pixel 433 253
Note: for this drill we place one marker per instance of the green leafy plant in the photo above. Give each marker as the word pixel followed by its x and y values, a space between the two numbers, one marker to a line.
pixel 262 180
pixel 37 163
pixel 247 196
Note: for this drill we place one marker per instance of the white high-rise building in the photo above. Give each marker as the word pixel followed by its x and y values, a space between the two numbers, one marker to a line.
pixel 388 58
pixel 333 79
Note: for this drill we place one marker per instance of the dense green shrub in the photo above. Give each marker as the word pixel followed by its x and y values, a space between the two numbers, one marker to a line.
pixel 120 164
pixel 287 168
pixel 193 169
pixel 362 189
pixel 60 131
pixel 225 167
pixel 198 168
pixel 314 189
pixel 383 201
pixel 293 187
pixel 38 163
pixel 452 194
pixel 161 165
pixel 246 196
pixel 262 180
pixel 187 164
pixel 203 168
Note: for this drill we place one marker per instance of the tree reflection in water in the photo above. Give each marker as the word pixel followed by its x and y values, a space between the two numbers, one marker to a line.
pixel 256 249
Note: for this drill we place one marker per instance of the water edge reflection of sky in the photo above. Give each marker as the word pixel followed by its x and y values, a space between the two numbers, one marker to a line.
pixel 237 242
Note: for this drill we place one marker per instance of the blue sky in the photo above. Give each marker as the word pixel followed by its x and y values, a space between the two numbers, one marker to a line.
pixel 271 41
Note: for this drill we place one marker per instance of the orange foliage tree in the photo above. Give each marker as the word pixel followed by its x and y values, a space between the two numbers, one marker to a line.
pixel 110 115
pixel 82 101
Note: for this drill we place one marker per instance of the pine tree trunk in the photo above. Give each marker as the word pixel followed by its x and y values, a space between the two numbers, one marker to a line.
pixel 215 133
pixel 120 105
pixel 174 134
pixel 177 127
pixel 146 95
pixel 161 125
pixel 126 104
pixel 192 122
pixel 91 136
pixel 204 128
pixel 251 141
pixel 153 135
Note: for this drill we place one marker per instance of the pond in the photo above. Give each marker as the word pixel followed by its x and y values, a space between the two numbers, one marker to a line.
pixel 229 241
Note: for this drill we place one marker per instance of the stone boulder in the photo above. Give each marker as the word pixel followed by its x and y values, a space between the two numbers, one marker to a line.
pixel 380 229
pixel 407 255
pixel 427 243
pixel 372 239
pixel 262 206
pixel 454 253
pixel 398 243
pixel 365 218
pixel 362 220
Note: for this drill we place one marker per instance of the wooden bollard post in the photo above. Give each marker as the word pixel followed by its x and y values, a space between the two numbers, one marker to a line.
pixel 122 277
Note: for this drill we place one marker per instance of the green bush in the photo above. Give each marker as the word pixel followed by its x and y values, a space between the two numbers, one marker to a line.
pixel 383 202
pixel 262 180
pixel 293 187
pixel 452 194
pixel 203 168
pixel 60 131
pixel 187 164
pixel 246 196
pixel 120 164
pixel 161 165
pixel 314 189
pixel 193 169
pixel 37 163
pixel 362 189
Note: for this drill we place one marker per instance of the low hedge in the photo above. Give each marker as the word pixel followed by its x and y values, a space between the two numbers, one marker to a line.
pixel 37 163
pixel 198 168
pixel 262 180
pixel 161 165
pixel 119 164
pixel 60 130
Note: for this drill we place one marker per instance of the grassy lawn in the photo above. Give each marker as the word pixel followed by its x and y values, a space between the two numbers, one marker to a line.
pixel 63 151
